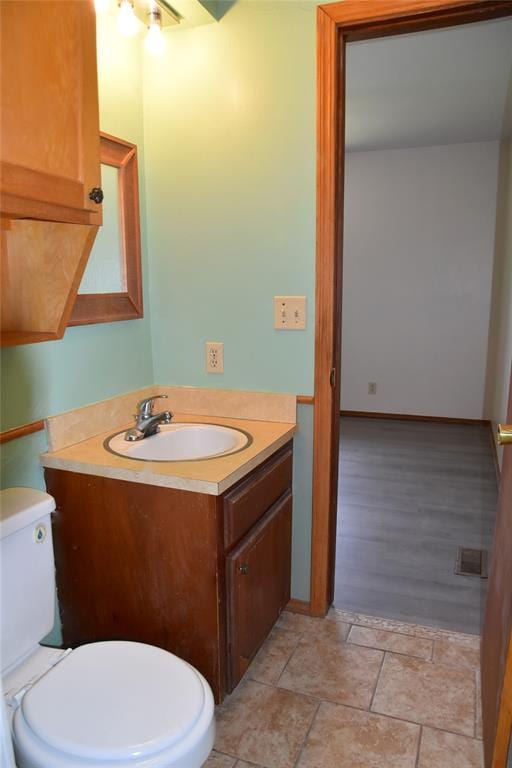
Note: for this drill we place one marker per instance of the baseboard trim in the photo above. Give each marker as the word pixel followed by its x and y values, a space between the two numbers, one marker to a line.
pixel 414 417
pixel 299 606
pixel 494 449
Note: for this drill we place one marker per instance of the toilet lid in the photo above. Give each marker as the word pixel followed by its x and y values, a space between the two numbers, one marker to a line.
pixel 115 700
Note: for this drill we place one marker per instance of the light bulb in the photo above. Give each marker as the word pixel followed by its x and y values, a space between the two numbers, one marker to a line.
pixel 101 5
pixel 127 21
pixel 154 41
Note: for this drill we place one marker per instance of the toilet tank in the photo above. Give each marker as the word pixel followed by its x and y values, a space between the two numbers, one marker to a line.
pixel 27 572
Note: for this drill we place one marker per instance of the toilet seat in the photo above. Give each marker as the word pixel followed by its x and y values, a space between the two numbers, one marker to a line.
pixel 116 703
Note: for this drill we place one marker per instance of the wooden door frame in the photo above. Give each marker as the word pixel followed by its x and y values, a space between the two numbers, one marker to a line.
pixel 337 24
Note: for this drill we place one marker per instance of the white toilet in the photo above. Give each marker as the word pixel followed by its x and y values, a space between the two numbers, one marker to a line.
pixel 109 704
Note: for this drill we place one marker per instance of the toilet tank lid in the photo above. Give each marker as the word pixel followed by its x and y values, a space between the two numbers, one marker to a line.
pixel 20 507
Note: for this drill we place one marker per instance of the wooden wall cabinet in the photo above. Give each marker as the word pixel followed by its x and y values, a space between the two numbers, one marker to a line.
pixel 50 145
pixel 204 577
pixel 50 183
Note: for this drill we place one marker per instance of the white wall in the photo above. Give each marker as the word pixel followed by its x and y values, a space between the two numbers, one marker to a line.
pixel 418 257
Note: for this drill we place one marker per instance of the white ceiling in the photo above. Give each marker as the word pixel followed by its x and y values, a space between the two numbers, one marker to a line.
pixel 428 88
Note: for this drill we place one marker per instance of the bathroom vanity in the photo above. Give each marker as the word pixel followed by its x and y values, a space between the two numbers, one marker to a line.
pixel 200 574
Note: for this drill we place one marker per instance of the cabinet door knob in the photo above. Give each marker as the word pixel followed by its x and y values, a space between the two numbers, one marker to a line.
pixel 96 195
pixel 243 568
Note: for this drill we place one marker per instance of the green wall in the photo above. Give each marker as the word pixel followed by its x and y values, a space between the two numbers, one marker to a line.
pixel 230 168
pixel 229 121
pixel 302 500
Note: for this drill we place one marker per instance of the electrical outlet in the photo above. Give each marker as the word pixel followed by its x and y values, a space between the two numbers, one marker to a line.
pixel 290 313
pixel 214 357
pixel 372 387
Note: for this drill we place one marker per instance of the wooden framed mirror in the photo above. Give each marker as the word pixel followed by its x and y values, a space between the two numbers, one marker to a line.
pixel 111 287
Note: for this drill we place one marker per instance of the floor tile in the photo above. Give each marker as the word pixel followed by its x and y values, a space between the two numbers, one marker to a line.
pixel 343 673
pixel 391 641
pixel 342 737
pixel 273 656
pixel 402 627
pixel 264 725
pixel 216 760
pixel 337 631
pixel 439 695
pixel 297 622
pixel 330 628
pixel 439 749
pixel 316 628
pixel 458 652
pixel 244 764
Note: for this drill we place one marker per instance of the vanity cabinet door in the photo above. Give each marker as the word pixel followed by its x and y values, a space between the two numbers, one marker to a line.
pixel 50 151
pixel 258 583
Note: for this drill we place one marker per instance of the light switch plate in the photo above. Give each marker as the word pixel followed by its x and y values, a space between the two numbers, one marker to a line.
pixel 290 313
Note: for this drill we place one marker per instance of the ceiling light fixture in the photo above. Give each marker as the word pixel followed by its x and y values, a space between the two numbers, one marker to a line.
pixel 101 5
pixel 127 21
pixel 155 41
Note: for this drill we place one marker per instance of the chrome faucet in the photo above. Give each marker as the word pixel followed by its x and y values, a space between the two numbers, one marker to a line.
pixel 148 423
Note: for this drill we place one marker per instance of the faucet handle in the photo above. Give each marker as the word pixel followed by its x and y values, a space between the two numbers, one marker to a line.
pixel 145 407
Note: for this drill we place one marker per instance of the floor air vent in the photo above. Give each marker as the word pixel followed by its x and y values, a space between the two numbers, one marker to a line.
pixel 471 562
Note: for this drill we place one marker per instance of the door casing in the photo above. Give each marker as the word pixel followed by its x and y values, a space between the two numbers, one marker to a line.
pixel 338 24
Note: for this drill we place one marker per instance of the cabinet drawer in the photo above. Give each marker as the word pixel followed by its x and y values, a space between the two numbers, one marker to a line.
pixel 246 503
pixel 258 582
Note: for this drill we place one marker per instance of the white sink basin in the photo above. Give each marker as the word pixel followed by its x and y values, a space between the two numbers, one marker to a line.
pixel 181 442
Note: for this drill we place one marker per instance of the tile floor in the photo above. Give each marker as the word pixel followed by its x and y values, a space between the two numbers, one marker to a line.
pixel 351 691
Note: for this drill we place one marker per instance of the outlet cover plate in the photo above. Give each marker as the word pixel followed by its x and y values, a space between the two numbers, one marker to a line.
pixel 290 313
pixel 214 357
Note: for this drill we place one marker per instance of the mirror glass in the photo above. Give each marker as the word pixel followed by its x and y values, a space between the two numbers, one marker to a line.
pixel 105 271
pixel 111 287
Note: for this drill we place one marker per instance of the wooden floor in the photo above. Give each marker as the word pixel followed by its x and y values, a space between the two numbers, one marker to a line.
pixel 410 493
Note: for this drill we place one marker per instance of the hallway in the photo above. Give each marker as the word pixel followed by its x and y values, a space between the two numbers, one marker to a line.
pixel 410 494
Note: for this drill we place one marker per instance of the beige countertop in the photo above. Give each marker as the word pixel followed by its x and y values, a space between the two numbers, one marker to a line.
pixel 212 476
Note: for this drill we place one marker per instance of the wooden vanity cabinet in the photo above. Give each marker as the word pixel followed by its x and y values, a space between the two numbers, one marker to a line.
pixel 202 576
